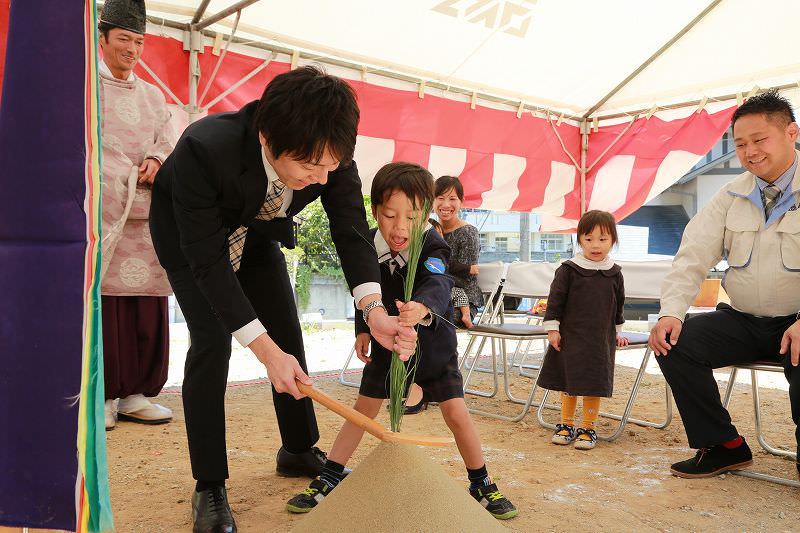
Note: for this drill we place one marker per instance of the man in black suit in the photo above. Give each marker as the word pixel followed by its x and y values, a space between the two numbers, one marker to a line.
pixel 222 204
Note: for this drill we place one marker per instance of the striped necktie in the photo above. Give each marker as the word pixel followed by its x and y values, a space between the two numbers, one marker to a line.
pixel 770 194
pixel 272 204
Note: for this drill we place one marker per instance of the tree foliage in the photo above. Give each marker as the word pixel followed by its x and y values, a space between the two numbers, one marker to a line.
pixel 317 251
pixel 314 237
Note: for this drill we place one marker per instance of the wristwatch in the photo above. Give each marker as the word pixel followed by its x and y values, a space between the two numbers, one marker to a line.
pixel 369 307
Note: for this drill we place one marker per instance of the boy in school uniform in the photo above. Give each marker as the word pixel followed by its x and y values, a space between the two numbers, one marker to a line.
pixel 399 191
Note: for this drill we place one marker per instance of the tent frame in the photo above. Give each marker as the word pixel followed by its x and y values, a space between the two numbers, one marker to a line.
pixel 195 30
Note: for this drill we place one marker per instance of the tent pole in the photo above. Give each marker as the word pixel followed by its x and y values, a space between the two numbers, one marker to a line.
pixel 216 17
pixel 195 47
pixel 652 58
pixel 161 83
pixel 221 58
pixel 584 151
pixel 200 10
pixel 239 83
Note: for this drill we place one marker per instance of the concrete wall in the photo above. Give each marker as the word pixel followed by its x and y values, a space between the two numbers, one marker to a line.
pixel 329 297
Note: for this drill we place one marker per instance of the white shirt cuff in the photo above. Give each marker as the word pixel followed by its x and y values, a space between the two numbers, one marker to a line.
pixel 619 328
pixel 551 325
pixel 248 333
pixel 366 289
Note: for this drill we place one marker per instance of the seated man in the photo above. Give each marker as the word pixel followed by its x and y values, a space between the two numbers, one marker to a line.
pixel 753 223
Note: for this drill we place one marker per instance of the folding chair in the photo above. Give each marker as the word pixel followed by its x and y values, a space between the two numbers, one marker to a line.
pixel 642 282
pixel 490 280
pixel 343 380
pixel 755 368
pixel 526 280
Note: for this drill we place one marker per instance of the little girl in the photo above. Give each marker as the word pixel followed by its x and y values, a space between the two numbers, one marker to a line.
pixel 583 318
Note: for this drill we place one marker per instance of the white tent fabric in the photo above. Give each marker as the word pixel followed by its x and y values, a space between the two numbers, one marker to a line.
pixel 552 106
pixel 566 55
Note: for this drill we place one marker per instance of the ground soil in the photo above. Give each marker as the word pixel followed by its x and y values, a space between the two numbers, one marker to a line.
pixel 620 486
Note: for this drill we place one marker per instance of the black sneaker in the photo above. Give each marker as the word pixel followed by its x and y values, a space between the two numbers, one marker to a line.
pixel 709 462
pixel 494 502
pixel 309 498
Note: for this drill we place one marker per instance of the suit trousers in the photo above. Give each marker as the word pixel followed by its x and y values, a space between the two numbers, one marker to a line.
pixel 718 339
pixel 265 282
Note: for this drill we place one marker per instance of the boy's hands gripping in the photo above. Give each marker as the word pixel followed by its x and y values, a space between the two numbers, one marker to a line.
pixel 411 313
pixel 362 348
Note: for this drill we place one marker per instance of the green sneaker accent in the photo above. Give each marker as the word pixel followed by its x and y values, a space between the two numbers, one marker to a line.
pixel 309 498
pixel 498 505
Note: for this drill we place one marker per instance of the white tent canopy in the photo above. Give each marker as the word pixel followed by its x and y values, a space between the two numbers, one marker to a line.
pixel 551 106
pixel 564 55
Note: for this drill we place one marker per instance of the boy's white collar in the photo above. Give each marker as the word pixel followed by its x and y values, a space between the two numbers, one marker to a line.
pixel 385 253
pixel 588 264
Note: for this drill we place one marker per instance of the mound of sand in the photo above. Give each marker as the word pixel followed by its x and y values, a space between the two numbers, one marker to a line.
pixel 398 488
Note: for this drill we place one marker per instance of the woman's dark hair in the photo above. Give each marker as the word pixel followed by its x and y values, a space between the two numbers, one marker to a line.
pixel 770 103
pixel 594 218
pixel 445 183
pixel 305 111
pixel 412 179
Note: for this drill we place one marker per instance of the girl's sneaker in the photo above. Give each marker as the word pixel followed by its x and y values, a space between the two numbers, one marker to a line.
pixel 585 439
pixel 565 433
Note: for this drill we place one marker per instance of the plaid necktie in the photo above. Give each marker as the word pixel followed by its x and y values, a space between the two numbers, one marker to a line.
pixel 272 204
pixel 770 195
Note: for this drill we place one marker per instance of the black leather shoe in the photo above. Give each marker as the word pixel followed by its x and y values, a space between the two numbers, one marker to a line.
pixel 211 512
pixel 306 464
pixel 713 461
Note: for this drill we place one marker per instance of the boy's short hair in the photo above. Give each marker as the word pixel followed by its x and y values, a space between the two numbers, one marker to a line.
pixel 412 179
pixel 305 111
pixel 771 104
pixel 445 183
pixel 592 219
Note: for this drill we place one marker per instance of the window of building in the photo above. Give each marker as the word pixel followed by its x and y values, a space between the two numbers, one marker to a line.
pixel 501 244
pixel 552 242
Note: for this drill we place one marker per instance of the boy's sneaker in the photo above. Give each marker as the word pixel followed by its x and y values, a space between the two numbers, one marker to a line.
pixel 494 502
pixel 713 461
pixel 565 433
pixel 309 498
pixel 586 439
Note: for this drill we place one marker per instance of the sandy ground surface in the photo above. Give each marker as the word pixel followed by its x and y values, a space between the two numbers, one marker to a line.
pixel 619 486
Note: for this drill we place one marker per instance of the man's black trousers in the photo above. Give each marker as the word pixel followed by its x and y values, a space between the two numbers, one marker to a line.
pixel 265 282
pixel 718 339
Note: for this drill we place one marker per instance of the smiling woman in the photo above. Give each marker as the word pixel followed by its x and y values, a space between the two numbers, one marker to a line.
pixel 465 245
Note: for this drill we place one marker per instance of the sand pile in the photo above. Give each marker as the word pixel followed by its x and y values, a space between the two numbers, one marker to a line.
pixel 397 488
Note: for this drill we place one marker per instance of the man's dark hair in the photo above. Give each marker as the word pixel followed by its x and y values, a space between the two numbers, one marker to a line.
pixel 305 111
pixel 410 178
pixel 594 218
pixel 445 183
pixel 769 103
pixel 103 28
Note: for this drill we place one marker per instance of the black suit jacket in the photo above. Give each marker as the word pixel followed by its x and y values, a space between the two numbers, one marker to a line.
pixel 433 288
pixel 213 182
